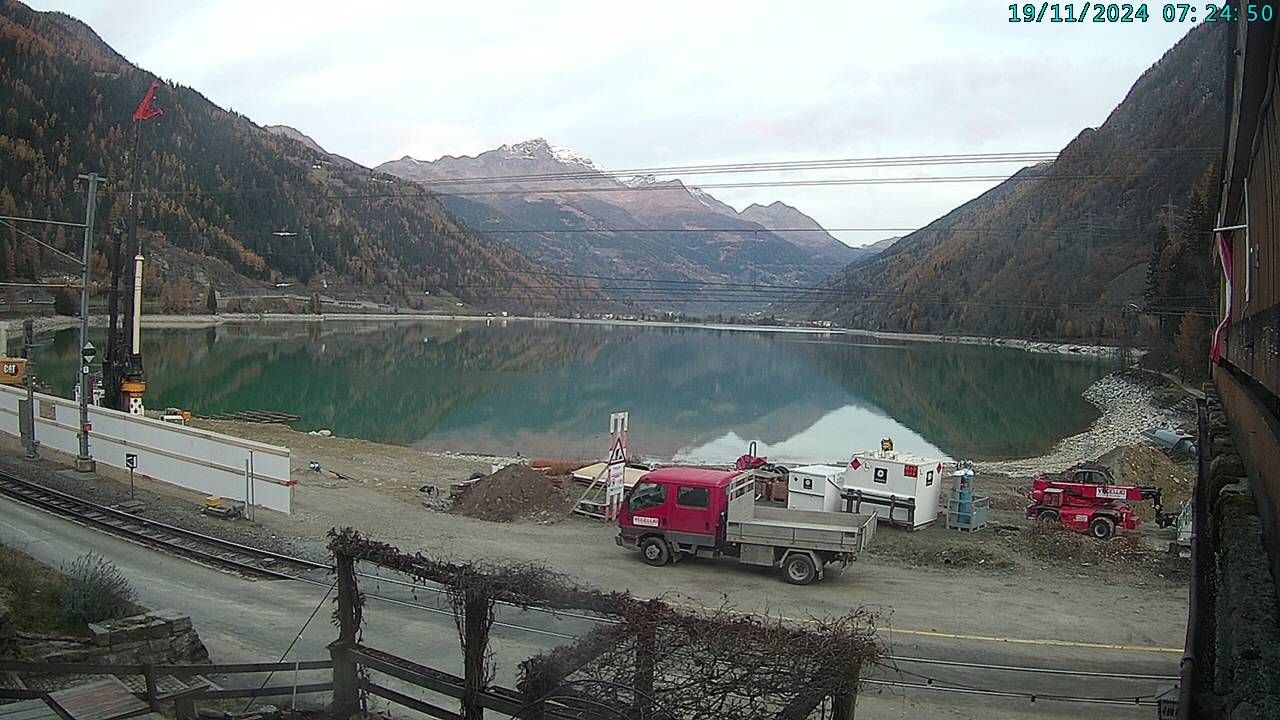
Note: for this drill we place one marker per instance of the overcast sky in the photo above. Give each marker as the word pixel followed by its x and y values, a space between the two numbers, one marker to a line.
pixel 653 84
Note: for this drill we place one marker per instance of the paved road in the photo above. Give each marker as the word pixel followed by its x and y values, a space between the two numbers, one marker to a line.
pixel 244 620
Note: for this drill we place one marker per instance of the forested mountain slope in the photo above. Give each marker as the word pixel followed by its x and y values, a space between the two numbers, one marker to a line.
pixel 216 184
pixel 1061 249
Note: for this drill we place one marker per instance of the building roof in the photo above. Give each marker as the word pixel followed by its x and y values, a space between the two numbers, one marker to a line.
pixel 692 476
pixel 630 475
pixel 819 470
pixel 900 458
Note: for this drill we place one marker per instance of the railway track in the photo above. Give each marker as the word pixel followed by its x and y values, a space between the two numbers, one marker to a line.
pixel 179 541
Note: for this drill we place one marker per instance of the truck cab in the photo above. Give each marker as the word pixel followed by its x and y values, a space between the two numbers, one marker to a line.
pixel 683 507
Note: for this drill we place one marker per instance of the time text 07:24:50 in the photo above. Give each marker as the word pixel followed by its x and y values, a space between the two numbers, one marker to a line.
pixel 1129 13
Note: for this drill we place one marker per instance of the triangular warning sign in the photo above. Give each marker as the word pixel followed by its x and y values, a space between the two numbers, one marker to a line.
pixel 617 454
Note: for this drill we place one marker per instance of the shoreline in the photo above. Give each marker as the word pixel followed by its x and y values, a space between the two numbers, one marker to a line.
pixel 53 323
pixel 1127 408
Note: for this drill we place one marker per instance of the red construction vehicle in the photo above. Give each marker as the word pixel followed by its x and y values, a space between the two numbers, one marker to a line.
pixel 680 512
pixel 1091 501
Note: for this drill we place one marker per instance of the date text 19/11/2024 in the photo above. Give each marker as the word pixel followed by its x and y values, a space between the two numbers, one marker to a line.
pixel 1130 13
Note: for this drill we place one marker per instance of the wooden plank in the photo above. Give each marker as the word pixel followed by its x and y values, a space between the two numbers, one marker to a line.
pixel 412 703
pixel 28 710
pixel 53 668
pixel 274 690
pixel 241 668
pixel 105 699
pixel 435 680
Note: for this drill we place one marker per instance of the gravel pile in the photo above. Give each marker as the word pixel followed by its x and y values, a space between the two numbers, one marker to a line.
pixel 516 492
pixel 1128 407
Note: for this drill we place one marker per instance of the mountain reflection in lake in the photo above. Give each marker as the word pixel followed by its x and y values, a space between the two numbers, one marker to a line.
pixel 546 388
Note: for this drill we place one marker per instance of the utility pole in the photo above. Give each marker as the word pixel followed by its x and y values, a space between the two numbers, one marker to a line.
pixel 1169 207
pixel 1088 242
pixel 113 364
pixel 84 461
pixel 28 418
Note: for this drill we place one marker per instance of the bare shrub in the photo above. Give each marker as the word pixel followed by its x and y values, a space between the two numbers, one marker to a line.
pixel 95 591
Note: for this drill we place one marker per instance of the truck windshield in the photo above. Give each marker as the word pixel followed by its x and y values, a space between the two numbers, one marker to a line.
pixel 647 495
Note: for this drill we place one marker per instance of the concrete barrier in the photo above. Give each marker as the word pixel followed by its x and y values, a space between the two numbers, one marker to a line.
pixel 207 462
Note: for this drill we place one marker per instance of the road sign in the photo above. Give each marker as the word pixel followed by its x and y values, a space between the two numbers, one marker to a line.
pixel 618 453
pixel 617 464
pixel 615 487
pixel 131 462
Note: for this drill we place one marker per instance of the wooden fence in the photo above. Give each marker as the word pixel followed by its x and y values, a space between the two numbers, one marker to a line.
pixel 183 700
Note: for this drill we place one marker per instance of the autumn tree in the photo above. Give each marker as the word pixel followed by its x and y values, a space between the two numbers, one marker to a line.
pixel 211 301
pixel 177 297
pixel 1191 346
pixel 64 302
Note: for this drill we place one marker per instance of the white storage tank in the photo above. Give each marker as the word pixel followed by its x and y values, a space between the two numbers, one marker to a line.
pixel 903 490
pixel 816 487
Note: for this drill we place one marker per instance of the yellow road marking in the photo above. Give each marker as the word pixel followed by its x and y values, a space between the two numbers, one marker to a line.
pixel 1036 641
pixel 980 638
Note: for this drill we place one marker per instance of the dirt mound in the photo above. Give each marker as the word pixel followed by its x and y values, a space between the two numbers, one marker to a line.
pixel 1147 465
pixel 516 492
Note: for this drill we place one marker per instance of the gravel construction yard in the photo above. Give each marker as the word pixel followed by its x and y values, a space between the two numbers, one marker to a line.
pixel 1003 582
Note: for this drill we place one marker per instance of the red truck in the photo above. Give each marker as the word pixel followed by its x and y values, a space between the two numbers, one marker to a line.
pixel 678 512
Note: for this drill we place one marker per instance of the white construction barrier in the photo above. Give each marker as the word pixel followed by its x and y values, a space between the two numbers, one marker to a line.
pixel 207 462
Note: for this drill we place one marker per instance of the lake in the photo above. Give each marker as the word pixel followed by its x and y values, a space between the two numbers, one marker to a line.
pixel 545 389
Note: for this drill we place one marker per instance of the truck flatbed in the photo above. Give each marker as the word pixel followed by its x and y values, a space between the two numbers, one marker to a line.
pixel 840 532
pixel 811 529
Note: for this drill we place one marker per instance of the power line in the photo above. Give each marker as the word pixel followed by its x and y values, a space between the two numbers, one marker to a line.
pixel 38 241
pixel 792 165
pixel 424 194
pixel 778 166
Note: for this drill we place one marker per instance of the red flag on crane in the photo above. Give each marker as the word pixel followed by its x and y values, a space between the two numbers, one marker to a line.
pixel 146 110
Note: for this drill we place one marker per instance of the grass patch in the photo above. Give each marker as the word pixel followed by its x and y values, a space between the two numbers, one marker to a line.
pixel 33 593
pixel 937 547
pixel 1054 543
pixel 45 601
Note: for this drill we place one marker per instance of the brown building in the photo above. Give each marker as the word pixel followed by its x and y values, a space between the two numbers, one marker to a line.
pixel 1233 640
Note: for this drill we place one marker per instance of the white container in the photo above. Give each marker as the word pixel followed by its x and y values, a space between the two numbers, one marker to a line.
pixel 815 487
pixel 901 489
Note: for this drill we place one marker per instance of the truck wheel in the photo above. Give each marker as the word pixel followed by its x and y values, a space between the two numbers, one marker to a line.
pixel 799 569
pixel 655 551
pixel 1048 516
pixel 1102 528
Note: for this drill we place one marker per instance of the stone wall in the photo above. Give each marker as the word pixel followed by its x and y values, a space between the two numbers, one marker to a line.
pixel 1239 612
pixel 159 637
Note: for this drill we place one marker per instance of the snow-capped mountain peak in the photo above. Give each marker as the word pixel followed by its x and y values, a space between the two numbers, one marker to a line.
pixel 569 157
pixel 640 181
pixel 539 148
